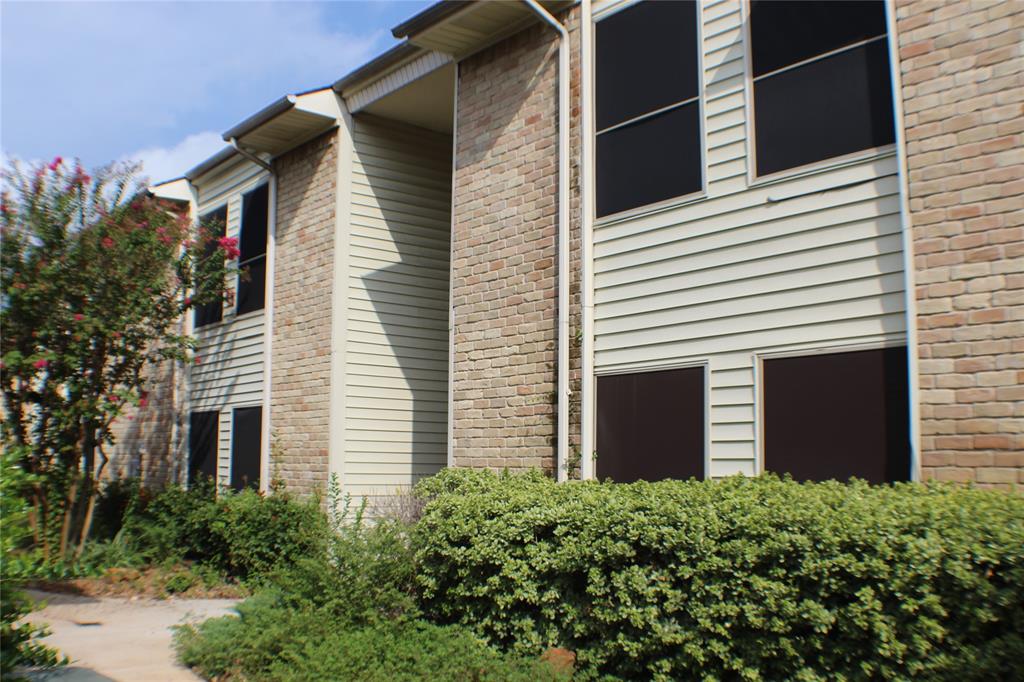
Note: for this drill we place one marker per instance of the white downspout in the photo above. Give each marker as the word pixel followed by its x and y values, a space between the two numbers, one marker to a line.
pixel 563 237
pixel 268 334
pixel 909 279
pixel 587 404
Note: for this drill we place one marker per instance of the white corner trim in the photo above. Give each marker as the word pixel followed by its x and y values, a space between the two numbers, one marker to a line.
pixel 339 294
pixel 906 231
pixel 266 438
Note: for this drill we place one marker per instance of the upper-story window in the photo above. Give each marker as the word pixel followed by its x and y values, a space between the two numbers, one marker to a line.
pixel 649 143
pixel 253 248
pixel 212 312
pixel 822 86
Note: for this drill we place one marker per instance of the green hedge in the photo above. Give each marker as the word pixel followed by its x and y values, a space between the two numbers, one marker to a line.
pixel 757 579
pixel 244 535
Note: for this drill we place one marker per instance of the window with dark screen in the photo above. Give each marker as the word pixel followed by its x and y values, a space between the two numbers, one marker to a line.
pixel 246 447
pixel 208 313
pixel 202 445
pixel 649 145
pixel 822 86
pixel 838 415
pixel 650 425
pixel 253 248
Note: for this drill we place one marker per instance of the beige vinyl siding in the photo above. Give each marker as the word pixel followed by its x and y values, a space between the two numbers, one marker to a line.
pixel 230 373
pixel 808 262
pixel 396 362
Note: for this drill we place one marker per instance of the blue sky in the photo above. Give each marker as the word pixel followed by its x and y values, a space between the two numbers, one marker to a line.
pixel 159 81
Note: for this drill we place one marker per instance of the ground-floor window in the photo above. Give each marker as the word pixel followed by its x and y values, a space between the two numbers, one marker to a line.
pixel 650 425
pixel 838 415
pixel 202 445
pixel 246 447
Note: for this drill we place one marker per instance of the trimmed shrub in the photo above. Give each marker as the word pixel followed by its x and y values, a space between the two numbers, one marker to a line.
pixel 756 579
pixel 245 535
pixel 270 642
pixel 347 615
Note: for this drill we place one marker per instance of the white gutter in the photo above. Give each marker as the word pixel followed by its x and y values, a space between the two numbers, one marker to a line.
pixel 587 404
pixel 266 441
pixel 909 285
pixel 564 389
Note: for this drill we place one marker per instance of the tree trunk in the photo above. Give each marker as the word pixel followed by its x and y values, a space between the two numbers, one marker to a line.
pixel 94 492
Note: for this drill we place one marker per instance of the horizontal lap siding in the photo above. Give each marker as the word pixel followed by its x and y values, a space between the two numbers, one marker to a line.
pixel 230 372
pixel 396 378
pixel 809 262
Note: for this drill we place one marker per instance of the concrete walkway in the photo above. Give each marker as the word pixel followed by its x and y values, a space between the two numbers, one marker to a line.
pixel 114 638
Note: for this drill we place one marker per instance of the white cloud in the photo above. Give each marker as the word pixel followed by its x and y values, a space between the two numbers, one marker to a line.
pixel 165 163
pixel 104 78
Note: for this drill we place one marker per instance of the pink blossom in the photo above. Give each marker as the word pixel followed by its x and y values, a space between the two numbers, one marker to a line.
pixel 41 363
pixel 79 317
pixel 144 400
pixel 166 240
pixel 188 300
pixel 55 164
pixel 108 243
pixel 230 246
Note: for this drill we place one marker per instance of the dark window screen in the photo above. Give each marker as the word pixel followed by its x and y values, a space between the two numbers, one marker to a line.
pixel 650 425
pixel 255 207
pixel 828 107
pixel 253 247
pixel 783 32
pixel 246 439
pixel 209 313
pixel 202 445
pixel 648 161
pixel 836 106
pixel 838 415
pixel 252 288
pixel 646 59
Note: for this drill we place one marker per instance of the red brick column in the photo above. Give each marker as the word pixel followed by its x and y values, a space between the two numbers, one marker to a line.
pixel 303 282
pixel 504 257
pixel 963 87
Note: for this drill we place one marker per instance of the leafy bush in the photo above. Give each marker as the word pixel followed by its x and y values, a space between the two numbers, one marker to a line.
pixel 348 614
pixel 757 579
pixel 268 642
pixel 241 536
pixel 19 642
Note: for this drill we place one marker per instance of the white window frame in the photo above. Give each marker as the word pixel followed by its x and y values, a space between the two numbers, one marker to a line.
pixel 671 202
pixel 815 167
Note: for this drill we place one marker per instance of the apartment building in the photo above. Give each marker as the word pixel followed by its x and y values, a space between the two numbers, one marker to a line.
pixel 627 240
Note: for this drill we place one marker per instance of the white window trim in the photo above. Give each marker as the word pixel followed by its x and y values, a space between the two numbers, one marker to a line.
pixel 815 167
pixel 671 202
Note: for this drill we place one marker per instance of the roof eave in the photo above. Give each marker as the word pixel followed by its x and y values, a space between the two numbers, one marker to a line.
pixel 268 112
pixel 377 66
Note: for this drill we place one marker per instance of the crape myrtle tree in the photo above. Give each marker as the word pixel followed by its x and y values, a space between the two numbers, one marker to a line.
pixel 97 275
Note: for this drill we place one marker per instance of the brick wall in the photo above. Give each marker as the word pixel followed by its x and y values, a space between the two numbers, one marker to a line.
pixel 150 440
pixel 504 249
pixel 963 86
pixel 301 350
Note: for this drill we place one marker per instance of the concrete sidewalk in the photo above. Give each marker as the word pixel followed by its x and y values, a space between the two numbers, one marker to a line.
pixel 114 638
